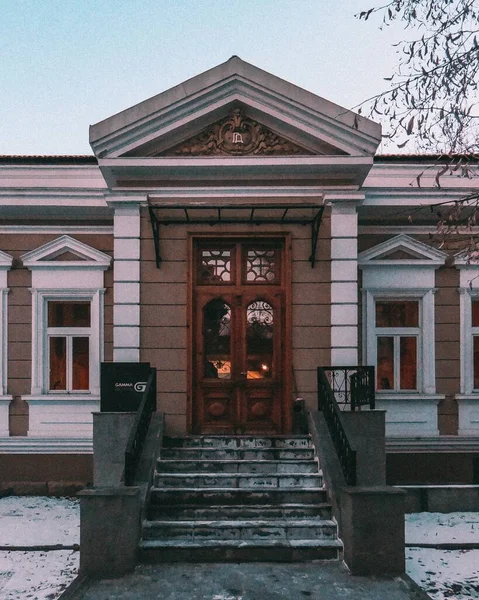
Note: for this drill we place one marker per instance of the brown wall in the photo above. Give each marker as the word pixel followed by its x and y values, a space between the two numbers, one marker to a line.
pixel 45 474
pixel 20 316
pixel 448 348
pixel 429 468
pixel 163 313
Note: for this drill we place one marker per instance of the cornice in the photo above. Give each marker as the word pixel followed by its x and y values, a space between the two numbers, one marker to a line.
pixel 184 110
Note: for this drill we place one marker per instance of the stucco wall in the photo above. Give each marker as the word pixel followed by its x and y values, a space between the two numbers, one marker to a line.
pixel 163 313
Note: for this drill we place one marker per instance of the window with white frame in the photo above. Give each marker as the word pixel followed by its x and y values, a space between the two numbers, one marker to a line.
pixel 398 314
pixel 398 341
pixel 67 341
pixel 68 335
pixel 475 342
pixel 469 312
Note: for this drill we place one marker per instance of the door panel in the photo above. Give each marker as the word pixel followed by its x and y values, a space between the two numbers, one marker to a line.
pixel 237 347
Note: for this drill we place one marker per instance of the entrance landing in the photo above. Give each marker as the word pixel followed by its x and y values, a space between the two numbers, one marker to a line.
pixel 248 581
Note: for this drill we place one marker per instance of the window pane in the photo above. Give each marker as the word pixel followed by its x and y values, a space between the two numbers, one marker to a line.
pixel 476 362
pixel 214 266
pixel 397 314
pixel 58 363
pixel 408 364
pixel 68 314
pixel 385 369
pixel 81 363
pixel 217 339
pixel 259 340
pixel 475 313
pixel 262 265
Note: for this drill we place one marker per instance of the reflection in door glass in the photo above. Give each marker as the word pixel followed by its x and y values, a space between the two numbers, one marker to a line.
pixel 217 339
pixel 259 340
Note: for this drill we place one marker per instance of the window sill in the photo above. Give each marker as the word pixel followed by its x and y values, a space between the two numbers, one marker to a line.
pixel 471 396
pixel 59 397
pixel 410 396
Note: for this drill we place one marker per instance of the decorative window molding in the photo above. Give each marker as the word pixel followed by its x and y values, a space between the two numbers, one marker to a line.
pixel 65 270
pixel 78 256
pixel 416 253
pixel 5 265
pixel 468 399
pixel 403 269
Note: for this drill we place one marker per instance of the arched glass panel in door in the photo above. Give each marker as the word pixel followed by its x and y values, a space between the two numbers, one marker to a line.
pixel 217 339
pixel 259 340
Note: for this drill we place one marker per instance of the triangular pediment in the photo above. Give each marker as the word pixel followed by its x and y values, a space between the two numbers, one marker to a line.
pixel 236 135
pixel 292 119
pixel 5 260
pixel 66 252
pixel 402 249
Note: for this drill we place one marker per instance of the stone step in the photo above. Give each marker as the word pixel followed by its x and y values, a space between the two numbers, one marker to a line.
pixel 252 529
pixel 238 480
pixel 235 496
pixel 238 550
pixel 236 466
pixel 234 512
pixel 239 441
pixel 201 453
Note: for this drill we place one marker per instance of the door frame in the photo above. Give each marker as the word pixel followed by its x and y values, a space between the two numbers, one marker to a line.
pixel 286 238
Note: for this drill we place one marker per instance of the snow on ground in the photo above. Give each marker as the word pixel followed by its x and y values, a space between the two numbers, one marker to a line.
pixel 30 521
pixel 39 575
pixel 36 575
pixel 444 574
pixel 50 521
pixel 440 528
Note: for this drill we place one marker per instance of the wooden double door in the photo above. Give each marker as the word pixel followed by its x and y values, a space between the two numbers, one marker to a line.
pixel 239 341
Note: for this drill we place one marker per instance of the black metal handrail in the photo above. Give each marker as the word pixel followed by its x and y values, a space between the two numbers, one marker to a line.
pixel 352 386
pixel 329 407
pixel 139 429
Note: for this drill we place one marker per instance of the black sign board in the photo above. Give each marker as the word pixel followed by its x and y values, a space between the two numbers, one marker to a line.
pixel 122 385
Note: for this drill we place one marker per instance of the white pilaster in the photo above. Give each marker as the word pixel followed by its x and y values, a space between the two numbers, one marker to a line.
pixel 344 284
pixel 126 291
pixel 5 265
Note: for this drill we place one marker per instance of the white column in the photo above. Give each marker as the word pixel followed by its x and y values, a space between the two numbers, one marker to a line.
pixel 126 288
pixel 344 284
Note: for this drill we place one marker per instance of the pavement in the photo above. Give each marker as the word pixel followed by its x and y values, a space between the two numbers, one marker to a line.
pixel 245 581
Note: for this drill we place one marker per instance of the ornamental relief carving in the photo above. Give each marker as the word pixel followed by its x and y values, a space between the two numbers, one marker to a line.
pixel 236 135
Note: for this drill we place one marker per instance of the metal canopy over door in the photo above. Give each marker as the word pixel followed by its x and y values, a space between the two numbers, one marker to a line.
pixel 239 339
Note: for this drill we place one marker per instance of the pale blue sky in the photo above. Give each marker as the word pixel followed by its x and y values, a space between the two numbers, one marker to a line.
pixel 65 64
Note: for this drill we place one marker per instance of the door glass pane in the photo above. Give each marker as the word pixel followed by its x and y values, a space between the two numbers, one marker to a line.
pixel 217 340
pixel 81 363
pixel 214 266
pixel 259 340
pixel 58 363
pixel 476 362
pixel 385 370
pixel 397 314
pixel 262 265
pixel 68 314
pixel 408 363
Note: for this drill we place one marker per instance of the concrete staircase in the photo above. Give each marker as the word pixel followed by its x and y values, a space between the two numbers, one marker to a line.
pixel 238 498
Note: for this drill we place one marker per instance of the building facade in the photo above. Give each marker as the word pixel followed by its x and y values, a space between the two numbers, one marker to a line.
pixel 236 232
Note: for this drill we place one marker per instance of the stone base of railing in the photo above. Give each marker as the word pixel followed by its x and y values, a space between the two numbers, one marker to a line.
pixel 372 530
pixel 110 530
